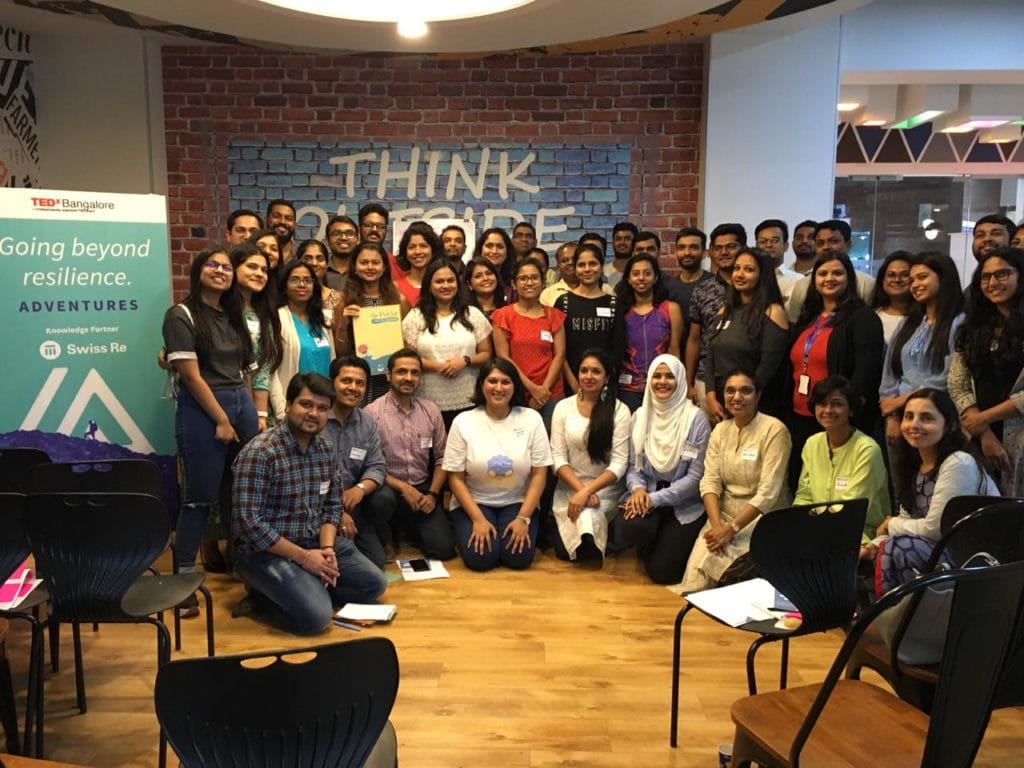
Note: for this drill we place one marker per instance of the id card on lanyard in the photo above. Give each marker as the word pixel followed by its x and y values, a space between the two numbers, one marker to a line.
pixel 803 386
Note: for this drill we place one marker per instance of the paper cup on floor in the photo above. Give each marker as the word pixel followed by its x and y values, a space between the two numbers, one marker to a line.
pixel 724 755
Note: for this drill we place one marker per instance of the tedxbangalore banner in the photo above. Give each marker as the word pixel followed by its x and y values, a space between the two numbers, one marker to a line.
pixel 84 284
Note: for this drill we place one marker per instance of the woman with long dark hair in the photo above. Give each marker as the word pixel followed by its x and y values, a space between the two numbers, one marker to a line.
pixel 484 286
pixel 653 324
pixel 750 332
pixel 986 375
pixel 270 246
pixel 662 513
pixel 209 347
pixel 931 465
pixel 369 285
pixel 452 338
pixel 315 253
pixel 590 315
pixel 495 245
pixel 497 458
pixel 418 247
pixel 835 335
pixel 920 352
pixel 590 449
pixel 890 298
pixel 307 341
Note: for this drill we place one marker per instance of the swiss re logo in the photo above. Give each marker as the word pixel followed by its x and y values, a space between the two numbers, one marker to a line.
pixel 45 202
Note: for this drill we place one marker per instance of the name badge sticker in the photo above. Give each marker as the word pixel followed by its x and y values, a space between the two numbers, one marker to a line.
pixel 321 341
pixel 357 454
pixel 546 336
pixel 604 311
pixel 426 442
pixel 689 452
pixel 253 325
pixel 325 486
pixel 749 454
pixel 625 378
pixel 842 483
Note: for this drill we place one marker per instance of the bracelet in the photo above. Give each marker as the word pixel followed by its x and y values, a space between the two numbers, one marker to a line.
pixel 262 414
pixel 304 559
pixel 523 519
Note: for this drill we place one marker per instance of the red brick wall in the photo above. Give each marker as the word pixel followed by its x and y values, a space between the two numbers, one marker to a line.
pixel 648 98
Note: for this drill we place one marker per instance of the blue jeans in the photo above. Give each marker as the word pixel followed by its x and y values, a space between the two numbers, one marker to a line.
pixel 206 462
pixel 499 553
pixel 299 599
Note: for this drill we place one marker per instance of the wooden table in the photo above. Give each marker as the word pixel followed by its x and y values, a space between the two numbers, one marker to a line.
pixel 13 761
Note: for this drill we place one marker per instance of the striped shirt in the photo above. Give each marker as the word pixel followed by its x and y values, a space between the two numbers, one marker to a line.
pixel 407 437
pixel 282 491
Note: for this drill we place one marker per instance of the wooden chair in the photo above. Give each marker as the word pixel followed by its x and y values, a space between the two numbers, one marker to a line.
pixel 998 529
pixel 809 553
pixel 852 723
pixel 326 711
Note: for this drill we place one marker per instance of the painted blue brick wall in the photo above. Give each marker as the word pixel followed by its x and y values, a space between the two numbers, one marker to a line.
pixel 565 189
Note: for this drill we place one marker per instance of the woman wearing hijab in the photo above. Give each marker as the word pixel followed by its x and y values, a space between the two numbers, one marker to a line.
pixel 662 513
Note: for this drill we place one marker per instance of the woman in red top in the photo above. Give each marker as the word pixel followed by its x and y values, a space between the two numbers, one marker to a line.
pixel 837 335
pixel 531 337
pixel 419 246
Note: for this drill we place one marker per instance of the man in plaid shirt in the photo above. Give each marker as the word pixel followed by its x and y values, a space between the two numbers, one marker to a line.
pixel 287 505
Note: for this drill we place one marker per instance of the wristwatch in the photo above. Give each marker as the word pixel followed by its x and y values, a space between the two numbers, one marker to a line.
pixel 735 528
pixel 361 487
pixel 467 360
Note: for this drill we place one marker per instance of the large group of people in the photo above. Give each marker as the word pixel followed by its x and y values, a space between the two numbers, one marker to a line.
pixel 594 405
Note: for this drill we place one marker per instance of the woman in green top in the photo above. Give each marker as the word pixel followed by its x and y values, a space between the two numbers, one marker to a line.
pixel 842 462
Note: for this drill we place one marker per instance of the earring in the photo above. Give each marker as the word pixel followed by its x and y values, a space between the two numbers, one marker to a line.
pixel 604 393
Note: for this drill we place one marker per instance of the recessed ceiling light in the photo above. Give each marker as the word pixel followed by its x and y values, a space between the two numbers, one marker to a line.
pixel 394 11
pixel 973 125
pixel 847 106
pixel 412 28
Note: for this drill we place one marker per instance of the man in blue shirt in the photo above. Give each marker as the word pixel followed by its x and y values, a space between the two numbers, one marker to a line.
pixel 287 492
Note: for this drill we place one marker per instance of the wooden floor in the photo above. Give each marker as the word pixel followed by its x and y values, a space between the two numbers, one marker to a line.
pixel 556 666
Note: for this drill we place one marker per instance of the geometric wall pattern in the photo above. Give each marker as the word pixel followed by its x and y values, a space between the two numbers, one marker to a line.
pixel 868 146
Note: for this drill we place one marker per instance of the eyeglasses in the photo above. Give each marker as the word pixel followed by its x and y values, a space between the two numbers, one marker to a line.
pixel 346 234
pixel 528 278
pixel 216 266
pixel 301 281
pixel 999 276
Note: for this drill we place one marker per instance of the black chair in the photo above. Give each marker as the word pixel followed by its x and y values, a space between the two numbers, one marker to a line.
pixel 997 529
pixel 95 550
pixel 15 464
pixel 809 553
pixel 104 476
pixel 863 724
pixel 327 711
pixel 14 548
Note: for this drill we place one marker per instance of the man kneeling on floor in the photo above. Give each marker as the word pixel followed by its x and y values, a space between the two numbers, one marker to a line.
pixel 287 505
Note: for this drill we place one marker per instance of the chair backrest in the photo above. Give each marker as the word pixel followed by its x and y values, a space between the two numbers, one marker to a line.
pixel 985 619
pixel 15 464
pixel 14 547
pixel 92 547
pixel 124 475
pixel 325 711
pixel 810 553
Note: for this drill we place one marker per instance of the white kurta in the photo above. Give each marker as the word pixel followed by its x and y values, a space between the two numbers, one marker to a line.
pixel 569 447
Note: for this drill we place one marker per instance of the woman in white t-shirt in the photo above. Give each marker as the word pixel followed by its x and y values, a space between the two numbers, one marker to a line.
pixel 497 457
pixel 453 339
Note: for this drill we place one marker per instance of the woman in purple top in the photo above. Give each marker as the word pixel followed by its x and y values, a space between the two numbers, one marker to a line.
pixel 653 324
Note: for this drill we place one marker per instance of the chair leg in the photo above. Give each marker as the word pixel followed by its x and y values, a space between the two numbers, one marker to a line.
pixel 745 752
pixel 40 670
pixel 8 710
pixel 76 634
pixel 751 654
pixel 673 734
pixel 33 696
pixel 784 672
pixel 163 652
pixel 177 628
pixel 208 598
pixel 55 647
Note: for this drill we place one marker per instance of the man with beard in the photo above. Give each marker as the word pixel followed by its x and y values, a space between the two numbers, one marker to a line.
pixel 708 298
pixel 288 492
pixel 342 239
pixel 623 235
pixel 831 238
pixel 241 224
pixel 453 240
pixel 772 237
pixel 524 239
pixel 412 437
pixel 281 219
pixel 990 233
pixel 689 250
pixel 373 228
pixel 803 246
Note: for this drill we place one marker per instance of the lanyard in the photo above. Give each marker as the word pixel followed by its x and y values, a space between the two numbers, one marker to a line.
pixel 819 325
